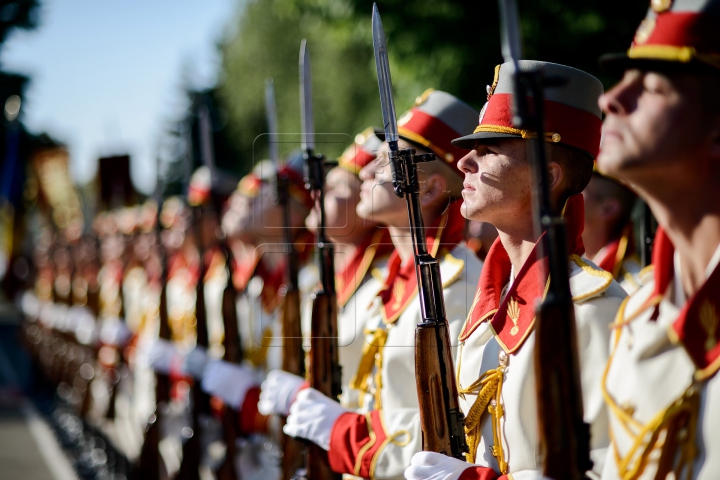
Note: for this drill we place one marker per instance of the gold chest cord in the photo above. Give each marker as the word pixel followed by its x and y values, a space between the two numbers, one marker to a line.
pixel 672 430
pixel 489 390
pixel 372 358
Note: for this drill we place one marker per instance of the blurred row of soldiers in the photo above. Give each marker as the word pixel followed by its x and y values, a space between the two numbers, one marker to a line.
pixel 166 330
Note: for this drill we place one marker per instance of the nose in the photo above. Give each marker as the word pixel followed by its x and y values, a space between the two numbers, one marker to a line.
pixel 367 172
pixel 468 163
pixel 617 100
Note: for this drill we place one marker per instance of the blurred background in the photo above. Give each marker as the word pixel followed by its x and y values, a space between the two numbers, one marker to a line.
pixel 100 99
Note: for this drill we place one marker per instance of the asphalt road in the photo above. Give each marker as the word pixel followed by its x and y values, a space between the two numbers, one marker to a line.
pixel 28 447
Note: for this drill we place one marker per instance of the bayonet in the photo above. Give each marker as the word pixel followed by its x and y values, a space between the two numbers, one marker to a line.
pixel 308 125
pixel 384 81
pixel 271 114
pixel 207 151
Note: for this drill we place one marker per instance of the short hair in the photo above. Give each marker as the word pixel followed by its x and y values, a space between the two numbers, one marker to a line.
pixel 577 167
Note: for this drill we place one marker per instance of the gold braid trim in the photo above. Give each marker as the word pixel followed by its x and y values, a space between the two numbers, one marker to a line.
pixel 371 359
pixel 257 356
pixel 488 388
pixel 671 431
pixel 549 136
pixel 673 53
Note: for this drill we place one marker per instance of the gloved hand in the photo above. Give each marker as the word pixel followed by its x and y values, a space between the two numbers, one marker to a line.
pixel 435 466
pixel 278 391
pixel 195 362
pixel 163 357
pixel 228 381
pixel 312 416
pixel 114 332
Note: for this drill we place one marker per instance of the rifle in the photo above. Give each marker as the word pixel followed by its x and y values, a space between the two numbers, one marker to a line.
pixel 293 360
pixel 231 341
pixel 150 462
pixel 191 451
pixel 441 419
pixel 647 235
pixel 564 436
pixel 324 366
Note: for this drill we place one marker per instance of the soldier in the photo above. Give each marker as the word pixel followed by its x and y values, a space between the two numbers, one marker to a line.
pixel 662 135
pixel 495 360
pixel 260 275
pixel 379 440
pixel 361 251
pixel 608 233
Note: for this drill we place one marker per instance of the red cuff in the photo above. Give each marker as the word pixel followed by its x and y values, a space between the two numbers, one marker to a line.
pixel 251 421
pixel 481 473
pixel 355 440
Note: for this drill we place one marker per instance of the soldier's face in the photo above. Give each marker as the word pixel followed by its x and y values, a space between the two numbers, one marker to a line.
pixel 496 188
pixel 342 195
pixel 654 126
pixel 378 201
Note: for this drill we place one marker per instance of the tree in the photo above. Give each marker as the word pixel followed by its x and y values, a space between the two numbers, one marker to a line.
pixel 451 45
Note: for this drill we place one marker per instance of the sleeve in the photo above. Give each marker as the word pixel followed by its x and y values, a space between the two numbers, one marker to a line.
pixel 251 421
pixel 379 444
pixel 481 473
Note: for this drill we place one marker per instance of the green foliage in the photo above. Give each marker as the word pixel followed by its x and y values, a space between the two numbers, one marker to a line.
pixel 17 14
pixel 451 45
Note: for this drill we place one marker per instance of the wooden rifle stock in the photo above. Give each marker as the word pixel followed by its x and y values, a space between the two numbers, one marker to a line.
pixel 441 419
pixel 150 464
pixel 324 364
pixel 293 360
pixel 192 448
pixel 233 354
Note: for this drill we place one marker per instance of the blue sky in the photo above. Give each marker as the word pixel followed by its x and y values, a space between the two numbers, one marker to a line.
pixel 107 74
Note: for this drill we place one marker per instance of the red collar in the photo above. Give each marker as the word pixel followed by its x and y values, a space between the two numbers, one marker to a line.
pixel 512 317
pixel 244 270
pixel 401 283
pixel 696 327
pixel 347 281
pixel 617 251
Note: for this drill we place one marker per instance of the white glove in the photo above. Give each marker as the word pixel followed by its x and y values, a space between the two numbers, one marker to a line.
pixel 228 381
pixel 163 357
pixel 535 475
pixel 312 416
pixel 278 391
pixel 435 466
pixel 195 362
pixel 114 332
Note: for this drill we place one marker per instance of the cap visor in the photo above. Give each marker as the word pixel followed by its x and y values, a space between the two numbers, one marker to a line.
pixel 468 141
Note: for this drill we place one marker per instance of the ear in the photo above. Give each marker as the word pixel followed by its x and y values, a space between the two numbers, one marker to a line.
pixel 609 209
pixel 555 175
pixel 436 187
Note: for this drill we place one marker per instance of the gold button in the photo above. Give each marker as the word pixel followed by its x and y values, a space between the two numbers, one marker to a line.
pixel 502 357
pixel 449 157
pixel 556 137
pixel 660 6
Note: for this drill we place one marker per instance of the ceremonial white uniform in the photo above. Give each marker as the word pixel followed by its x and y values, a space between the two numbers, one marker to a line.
pixel 596 298
pixel 394 424
pixel 652 383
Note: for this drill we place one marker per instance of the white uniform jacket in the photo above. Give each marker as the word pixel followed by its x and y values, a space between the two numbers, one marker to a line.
pixel 660 384
pixel 506 357
pixel 380 440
